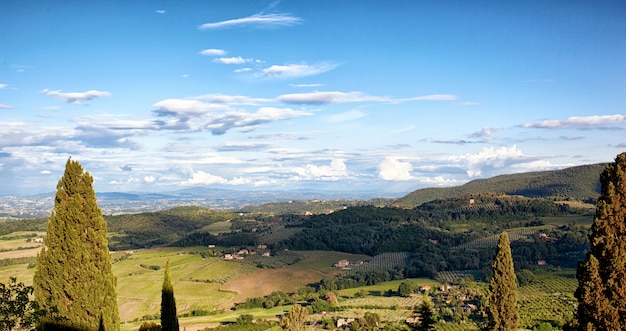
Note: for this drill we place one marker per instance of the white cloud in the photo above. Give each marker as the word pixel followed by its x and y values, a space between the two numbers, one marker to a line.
pixel 318 98
pixel 231 60
pixel 3 86
pixel 432 97
pixel 578 121
pixel 336 170
pixel 213 52
pixel 297 70
pixel 331 97
pixel 204 178
pixel 306 85
pixel 76 97
pixel 393 169
pixel 3 106
pixel 187 106
pixel 188 115
pixel 243 70
pixel 254 20
pixel 160 11
pixel 149 179
pixel 232 99
pixel 490 157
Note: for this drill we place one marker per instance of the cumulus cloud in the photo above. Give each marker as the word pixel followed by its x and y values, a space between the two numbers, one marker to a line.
pixel 3 106
pixel 261 20
pixel 213 52
pixel 204 178
pixel 297 70
pixel 231 60
pixel 393 169
pixel 76 97
pixel 490 157
pixel 578 122
pixel 336 170
pixel 331 97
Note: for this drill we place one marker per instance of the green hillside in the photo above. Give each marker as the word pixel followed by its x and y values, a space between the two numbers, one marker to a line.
pixel 578 183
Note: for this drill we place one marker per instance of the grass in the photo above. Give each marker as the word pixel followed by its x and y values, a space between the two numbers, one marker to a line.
pixel 217 228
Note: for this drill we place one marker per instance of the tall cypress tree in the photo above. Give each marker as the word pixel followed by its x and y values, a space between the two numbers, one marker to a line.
pixel 502 311
pixel 74 268
pixel 169 320
pixel 601 289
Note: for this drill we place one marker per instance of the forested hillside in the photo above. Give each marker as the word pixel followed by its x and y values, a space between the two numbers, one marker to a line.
pixel 578 183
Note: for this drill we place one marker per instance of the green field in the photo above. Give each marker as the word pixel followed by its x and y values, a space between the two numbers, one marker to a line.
pixel 210 286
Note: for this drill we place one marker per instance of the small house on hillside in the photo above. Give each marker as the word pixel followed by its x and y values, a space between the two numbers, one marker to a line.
pixel 342 264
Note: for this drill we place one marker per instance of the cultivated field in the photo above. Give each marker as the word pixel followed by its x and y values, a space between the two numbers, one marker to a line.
pixel 207 287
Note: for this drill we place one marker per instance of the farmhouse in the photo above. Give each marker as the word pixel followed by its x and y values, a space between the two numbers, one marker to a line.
pixel 344 322
pixel 342 264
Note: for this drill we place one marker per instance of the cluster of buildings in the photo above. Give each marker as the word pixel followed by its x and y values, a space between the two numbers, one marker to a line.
pixel 261 250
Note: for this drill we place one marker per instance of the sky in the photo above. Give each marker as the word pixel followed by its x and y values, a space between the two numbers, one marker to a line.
pixel 346 96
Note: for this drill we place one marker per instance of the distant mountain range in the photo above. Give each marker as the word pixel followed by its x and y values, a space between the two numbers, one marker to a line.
pixel 578 183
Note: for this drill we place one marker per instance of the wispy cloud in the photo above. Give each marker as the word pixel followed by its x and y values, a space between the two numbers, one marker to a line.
pixel 232 99
pixel 231 60
pixel 306 85
pixel 186 115
pixel 3 86
pixel 76 97
pixel 213 52
pixel 262 20
pixel 297 70
pixel 242 146
pixel 578 122
pixel 317 98
pixel 160 11
pixel 3 106
pixel 347 116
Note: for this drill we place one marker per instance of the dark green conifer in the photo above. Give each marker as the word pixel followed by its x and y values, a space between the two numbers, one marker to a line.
pixel 601 289
pixel 502 313
pixel 74 268
pixel 169 320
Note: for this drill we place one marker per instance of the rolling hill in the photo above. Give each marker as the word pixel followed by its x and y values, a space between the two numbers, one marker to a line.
pixel 578 183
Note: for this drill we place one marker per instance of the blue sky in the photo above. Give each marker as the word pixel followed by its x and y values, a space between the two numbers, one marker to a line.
pixel 379 96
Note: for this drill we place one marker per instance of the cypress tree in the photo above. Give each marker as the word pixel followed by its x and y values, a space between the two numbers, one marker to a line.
pixel 169 320
pixel 502 311
pixel 601 291
pixel 74 268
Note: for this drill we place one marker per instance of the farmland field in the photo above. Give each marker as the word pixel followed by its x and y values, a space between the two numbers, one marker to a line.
pixel 210 286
